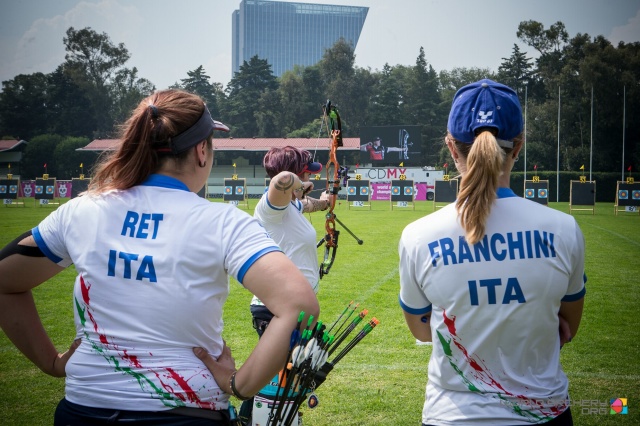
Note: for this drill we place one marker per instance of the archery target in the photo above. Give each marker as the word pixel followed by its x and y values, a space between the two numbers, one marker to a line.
pixel 628 194
pixel 78 186
pixel 234 189
pixel 9 189
pixel 358 190
pixel 536 191
pixel 402 190
pixel 45 189
pixel 445 191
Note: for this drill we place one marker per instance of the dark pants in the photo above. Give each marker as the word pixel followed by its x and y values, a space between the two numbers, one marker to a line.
pixel 70 414
pixel 564 419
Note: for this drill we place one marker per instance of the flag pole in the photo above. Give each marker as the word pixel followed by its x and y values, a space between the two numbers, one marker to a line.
pixel 525 131
pixel 624 118
pixel 591 149
pixel 558 157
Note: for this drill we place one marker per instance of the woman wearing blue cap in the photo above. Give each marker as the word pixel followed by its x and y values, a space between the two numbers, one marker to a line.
pixel 490 277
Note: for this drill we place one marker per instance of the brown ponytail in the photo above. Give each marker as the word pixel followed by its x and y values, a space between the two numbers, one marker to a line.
pixel 146 139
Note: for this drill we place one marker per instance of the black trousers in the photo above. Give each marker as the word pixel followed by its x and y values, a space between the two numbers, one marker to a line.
pixel 564 419
pixel 70 414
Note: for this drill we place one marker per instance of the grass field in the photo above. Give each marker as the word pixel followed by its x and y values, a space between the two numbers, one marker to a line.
pixel 382 380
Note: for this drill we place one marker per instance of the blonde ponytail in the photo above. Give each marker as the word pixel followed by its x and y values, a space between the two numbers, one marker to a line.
pixel 485 161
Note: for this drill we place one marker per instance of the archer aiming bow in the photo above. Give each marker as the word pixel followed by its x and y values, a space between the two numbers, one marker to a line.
pixel 337 176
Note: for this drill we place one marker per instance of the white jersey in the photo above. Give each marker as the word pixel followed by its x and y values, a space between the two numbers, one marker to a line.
pixel 494 305
pixel 153 267
pixel 293 233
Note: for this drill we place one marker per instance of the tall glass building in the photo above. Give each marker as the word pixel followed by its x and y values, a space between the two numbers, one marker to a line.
pixel 288 34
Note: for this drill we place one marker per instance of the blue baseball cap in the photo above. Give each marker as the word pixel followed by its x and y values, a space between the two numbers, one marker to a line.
pixel 485 104
pixel 312 167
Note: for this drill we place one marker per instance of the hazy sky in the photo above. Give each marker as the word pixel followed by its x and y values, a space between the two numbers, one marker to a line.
pixel 167 38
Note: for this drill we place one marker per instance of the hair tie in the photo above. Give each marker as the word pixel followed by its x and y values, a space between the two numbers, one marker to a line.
pixel 154 111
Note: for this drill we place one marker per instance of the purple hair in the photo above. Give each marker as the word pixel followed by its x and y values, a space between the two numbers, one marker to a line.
pixel 289 159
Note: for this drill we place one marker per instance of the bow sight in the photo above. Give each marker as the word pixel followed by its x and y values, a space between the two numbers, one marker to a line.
pixel 342 179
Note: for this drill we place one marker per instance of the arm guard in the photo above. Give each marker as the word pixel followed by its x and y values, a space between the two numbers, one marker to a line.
pixel 15 248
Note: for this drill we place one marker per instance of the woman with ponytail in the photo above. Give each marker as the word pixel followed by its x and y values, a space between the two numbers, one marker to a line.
pixel 494 280
pixel 153 262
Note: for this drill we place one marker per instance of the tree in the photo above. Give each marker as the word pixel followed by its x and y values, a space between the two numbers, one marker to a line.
pixel 337 62
pixel 518 72
pixel 127 90
pixel 424 106
pixel 336 70
pixel 269 115
pixel 93 61
pixel 452 81
pixel 349 88
pixel 23 106
pixel 544 41
pixel 548 43
pixel 292 96
pixel 38 152
pixel 254 78
pixel 386 100
pixel 69 110
pixel 315 93
pixel 198 82
pixel 356 110
pixel 309 130
pixel 67 159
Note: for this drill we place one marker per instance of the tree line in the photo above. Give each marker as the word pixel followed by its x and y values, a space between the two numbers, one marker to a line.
pixel 581 91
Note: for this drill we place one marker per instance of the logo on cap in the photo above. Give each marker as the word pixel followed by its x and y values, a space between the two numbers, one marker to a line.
pixel 483 117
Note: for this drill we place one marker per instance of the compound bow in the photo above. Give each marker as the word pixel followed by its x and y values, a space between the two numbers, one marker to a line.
pixel 337 176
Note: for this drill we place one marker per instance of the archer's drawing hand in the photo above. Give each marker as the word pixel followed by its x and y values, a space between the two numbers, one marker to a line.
pixel 308 187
